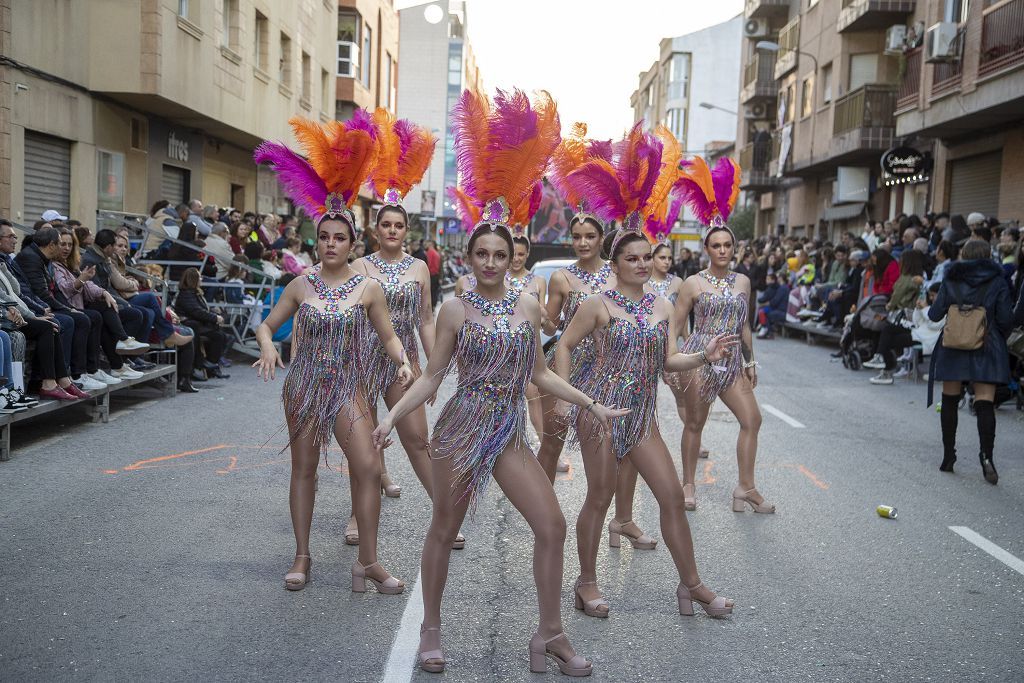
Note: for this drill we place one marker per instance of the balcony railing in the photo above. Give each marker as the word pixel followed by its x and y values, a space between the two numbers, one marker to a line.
pixel 869 106
pixel 946 77
pixel 866 15
pixel 759 77
pixel 765 8
pixel 1002 37
pixel 754 161
pixel 789 43
pixel 910 85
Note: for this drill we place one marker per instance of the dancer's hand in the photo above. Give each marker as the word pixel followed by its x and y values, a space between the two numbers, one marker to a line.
pixel 405 375
pixel 605 414
pixel 751 374
pixel 380 434
pixel 720 347
pixel 269 361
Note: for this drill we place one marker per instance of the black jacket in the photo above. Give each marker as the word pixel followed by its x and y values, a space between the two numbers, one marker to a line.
pixel 964 283
pixel 37 305
pixel 189 304
pixel 37 271
pixel 94 257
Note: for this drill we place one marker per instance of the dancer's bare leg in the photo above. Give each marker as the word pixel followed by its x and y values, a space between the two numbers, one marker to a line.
pixel 599 465
pixel 523 482
pixel 695 415
pixel 739 398
pixel 301 493
pixel 553 439
pixel 535 409
pixel 412 433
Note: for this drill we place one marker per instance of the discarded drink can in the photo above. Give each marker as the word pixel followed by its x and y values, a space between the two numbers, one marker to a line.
pixel 887 511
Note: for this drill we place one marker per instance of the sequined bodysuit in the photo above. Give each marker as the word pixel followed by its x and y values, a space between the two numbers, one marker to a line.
pixel 629 358
pixel 493 358
pixel 715 313
pixel 673 379
pixel 584 351
pixel 326 372
pixel 404 301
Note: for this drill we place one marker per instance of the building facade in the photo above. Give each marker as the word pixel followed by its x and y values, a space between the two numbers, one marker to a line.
pixel 961 107
pixel 437 65
pixel 818 98
pixel 689 89
pixel 173 112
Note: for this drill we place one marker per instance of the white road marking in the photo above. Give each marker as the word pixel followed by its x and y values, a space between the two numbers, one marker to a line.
pixel 402 659
pixel 1007 558
pixel 782 416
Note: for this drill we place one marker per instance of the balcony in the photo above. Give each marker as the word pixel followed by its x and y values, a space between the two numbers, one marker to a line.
pixel 946 77
pixel 864 122
pixel 1002 37
pixel 868 15
pixel 789 43
pixel 759 78
pixel 755 9
pixel 754 162
pixel 910 85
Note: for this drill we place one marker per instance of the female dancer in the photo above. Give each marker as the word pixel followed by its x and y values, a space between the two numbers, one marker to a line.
pixel 718 298
pixel 631 330
pixel 406 151
pixel 569 286
pixel 491 334
pixel 334 308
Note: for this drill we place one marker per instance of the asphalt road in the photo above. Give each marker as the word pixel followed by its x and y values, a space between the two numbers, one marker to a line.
pixel 153 548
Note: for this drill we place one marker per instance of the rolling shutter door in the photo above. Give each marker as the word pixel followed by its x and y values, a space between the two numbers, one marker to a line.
pixel 174 184
pixel 974 184
pixel 47 175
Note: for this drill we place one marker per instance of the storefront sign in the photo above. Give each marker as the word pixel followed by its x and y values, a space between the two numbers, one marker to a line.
pixel 177 149
pixel 902 162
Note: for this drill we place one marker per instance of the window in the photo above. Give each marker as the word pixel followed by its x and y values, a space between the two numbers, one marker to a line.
pixel 678 76
pixel 956 10
pixel 388 104
pixel 183 8
pixel 826 84
pixel 393 83
pixel 807 97
pixel 307 78
pixel 349 24
pixel 788 95
pixel 262 43
pixel 284 74
pixel 139 134
pixel 325 90
pixel 675 121
pixel 230 15
pixel 863 69
pixel 110 180
pixel 367 51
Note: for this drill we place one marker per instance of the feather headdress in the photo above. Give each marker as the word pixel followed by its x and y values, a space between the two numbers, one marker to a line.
pixel 622 189
pixel 501 149
pixel 340 157
pixel 665 205
pixel 406 151
pixel 571 154
pixel 710 194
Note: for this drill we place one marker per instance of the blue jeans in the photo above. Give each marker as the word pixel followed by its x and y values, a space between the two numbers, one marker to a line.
pixel 6 356
pixel 149 304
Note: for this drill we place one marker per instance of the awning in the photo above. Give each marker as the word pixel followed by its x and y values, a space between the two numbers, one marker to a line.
pixel 844 211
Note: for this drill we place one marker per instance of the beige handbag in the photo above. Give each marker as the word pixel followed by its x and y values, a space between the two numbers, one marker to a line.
pixel 966 325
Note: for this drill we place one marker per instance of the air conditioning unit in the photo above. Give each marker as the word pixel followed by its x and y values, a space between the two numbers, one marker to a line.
pixel 940 43
pixel 756 111
pixel 755 28
pixel 895 39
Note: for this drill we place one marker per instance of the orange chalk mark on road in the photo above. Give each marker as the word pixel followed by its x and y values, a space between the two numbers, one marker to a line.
pixel 810 475
pixel 154 462
pixel 708 477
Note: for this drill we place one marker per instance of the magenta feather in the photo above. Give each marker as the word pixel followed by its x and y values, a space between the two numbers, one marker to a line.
pixel 693 194
pixel 297 178
pixel 536 197
pixel 406 131
pixel 596 181
pixel 362 120
pixel 601 149
pixel 514 121
pixel 469 127
pixel 723 178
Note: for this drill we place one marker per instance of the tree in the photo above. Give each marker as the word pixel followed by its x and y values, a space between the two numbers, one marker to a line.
pixel 741 222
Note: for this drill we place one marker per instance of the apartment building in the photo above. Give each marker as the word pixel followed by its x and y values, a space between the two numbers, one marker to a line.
pixel 818 97
pixel 439 64
pixel 961 107
pixel 689 90
pixel 115 104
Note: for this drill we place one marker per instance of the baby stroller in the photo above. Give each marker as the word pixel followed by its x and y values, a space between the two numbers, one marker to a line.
pixel 860 331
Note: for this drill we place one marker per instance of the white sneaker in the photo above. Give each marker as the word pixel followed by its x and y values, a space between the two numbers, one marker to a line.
pixel 884 377
pixel 876 363
pixel 902 373
pixel 125 372
pixel 762 333
pixel 808 313
pixel 90 384
pixel 131 346
pixel 101 376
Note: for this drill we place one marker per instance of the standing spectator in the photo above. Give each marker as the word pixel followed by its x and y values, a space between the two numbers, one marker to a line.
pixel 687 264
pixel 196 314
pixel 977 281
pixel 195 216
pixel 434 266
pixel 417 251
pixel 218 247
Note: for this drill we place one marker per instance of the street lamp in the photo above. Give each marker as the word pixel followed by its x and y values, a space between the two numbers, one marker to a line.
pixel 771 46
pixel 708 105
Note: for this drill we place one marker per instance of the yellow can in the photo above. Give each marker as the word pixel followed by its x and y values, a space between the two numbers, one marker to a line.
pixel 887 511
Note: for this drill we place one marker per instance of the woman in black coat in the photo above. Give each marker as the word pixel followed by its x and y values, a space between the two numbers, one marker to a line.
pixel 194 312
pixel 973 280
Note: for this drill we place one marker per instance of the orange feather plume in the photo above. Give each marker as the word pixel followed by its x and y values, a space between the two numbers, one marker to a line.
pixel 342 157
pixel 570 154
pixel 406 151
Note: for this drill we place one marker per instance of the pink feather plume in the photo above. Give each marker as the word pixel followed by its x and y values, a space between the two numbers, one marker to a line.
pixel 298 179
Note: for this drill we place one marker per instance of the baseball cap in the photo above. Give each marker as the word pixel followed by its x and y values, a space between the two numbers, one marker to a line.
pixel 972 218
pixel 51 215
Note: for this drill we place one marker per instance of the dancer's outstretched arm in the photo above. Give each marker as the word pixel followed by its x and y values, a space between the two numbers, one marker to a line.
pixel 426 323
pixel 284 309
pixel 449 321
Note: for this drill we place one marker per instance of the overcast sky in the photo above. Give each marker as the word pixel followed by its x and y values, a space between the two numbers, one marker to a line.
pixel 587 53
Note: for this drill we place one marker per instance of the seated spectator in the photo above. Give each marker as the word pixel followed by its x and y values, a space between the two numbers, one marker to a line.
pixel 267 232
pixel 773 302
pixel 98 256
pixel 239 236
pixel 185 254
pixel 254 255
pixel 945 254
pixel 290 262
pixel 195 313
pixel 146 302
pixel 886 271
pixel 287 232
pixel 308 253
pixel 906 295
pixel 105 328
pixel 218 247
pixel 12 399
pixel 195 217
